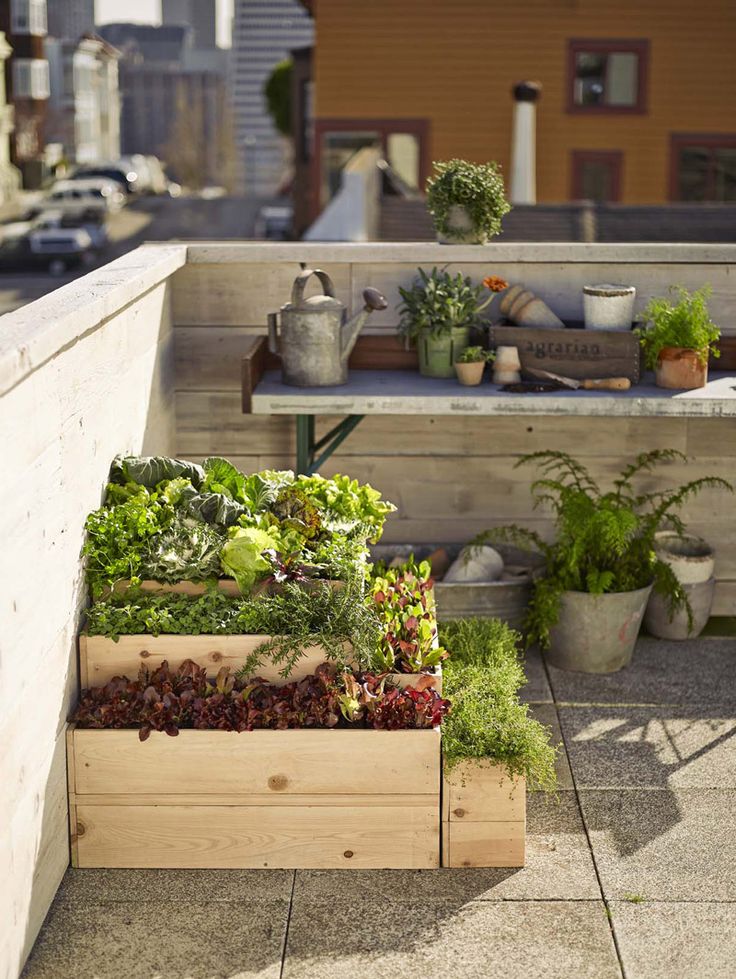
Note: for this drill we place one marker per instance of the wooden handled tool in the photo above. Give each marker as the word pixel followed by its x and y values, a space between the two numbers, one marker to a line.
pixel 590 384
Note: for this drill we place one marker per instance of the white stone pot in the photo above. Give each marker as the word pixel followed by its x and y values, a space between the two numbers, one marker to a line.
pixel 465 233
pixel 481 563
pixel 690 557
pixel 608 307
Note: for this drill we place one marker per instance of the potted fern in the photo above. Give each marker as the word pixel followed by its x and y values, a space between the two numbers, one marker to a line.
pixel 678 338
pixel 586 610
pixel 466 201
pixel 437 313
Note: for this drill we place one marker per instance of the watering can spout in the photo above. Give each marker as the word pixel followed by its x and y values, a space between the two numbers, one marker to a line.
pixel 373 300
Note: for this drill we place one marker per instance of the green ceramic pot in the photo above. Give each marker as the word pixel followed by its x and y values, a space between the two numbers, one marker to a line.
pixel 439 351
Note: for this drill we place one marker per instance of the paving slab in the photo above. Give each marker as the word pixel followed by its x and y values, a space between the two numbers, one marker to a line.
pixel 102 886
pixel 515 939
pixel 537 688
pixel 666 845
pixel 669 941
pixel 547 714
pixel 698 671
pixel 559 866
pixel 190 940
pixel 652 747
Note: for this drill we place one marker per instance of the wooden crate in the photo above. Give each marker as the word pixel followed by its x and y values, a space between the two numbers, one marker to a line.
pixel 578 354
pixel 101 658
pixel 483 817
pixel 280 799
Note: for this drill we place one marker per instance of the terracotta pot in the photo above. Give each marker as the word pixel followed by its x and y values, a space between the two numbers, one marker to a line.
pixel 680 369
pixel 470 374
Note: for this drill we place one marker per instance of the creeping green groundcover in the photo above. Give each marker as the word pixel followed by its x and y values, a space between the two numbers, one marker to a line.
pixel 297 548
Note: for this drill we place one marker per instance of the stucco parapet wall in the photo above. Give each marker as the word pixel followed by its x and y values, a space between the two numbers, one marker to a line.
pixel 428 253
pixel 34 334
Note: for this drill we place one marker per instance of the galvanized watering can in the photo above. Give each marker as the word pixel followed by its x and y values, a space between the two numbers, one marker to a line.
pixel 315 340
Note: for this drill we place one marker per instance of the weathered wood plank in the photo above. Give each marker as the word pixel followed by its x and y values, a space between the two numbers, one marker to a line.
pixel 254 800
pixel 242 295
pixel 169 836
pixel 300 762
pixel 579 354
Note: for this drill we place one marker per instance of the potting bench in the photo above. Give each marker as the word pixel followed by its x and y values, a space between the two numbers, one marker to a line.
pixel 405 392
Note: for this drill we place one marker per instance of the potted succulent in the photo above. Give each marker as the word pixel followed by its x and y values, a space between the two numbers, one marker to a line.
pixel 437 313
pixel 470 365
pixel 586 610
pixel 466 201
pixel 678 337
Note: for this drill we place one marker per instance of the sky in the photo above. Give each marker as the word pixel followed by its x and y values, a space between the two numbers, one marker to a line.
pixel 149 12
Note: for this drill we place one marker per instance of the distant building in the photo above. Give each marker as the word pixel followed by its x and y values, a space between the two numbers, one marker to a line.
pixel 263 34
pixel 175 102
pixel 27 84
pixel 71 18
pixel 200 15
pixel 9 175
pixel 84 107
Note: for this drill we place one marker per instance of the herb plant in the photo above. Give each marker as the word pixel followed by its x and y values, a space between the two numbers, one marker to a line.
pixel 478 187
pixel 685 323
pixel 604 539
pixel 437 302
pixel 476 355
pixel 404 601
pixel 487 723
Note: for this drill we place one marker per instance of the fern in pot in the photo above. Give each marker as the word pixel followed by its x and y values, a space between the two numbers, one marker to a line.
pixel 437 313
pixel 587 608
pixel 678 337
pixel 466 201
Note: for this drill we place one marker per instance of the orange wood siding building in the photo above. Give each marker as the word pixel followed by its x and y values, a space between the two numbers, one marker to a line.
pixel 449 65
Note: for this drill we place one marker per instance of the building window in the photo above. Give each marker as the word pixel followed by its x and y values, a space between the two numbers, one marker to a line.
pixel 607 76
pixel 703 168
pixel 30 78
pixel 596 175
pixel 28 17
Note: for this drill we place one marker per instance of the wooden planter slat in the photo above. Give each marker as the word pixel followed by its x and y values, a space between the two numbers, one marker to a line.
pixel 101 658
pixel 483 817
pixel 228 586
pixel 287 799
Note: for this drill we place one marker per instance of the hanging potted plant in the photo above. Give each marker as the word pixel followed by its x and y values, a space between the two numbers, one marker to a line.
pixel 466 201
pixel 586 610
pixel 437 313
pixel 470 365
pixel 678 338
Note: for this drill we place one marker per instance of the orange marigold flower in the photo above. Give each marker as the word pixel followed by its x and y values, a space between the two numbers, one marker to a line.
pixel 495 283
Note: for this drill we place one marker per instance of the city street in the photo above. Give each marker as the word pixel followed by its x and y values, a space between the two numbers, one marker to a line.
pixel 147 219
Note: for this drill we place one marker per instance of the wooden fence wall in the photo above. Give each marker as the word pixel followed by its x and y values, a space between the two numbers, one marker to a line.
pixel 450 477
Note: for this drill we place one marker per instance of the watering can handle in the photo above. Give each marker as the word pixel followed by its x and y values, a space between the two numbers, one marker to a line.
pixel 273 333
pixel 297 291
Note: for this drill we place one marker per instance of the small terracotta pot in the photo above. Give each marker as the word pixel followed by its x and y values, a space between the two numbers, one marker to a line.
pixel 681 369
pixel 470 373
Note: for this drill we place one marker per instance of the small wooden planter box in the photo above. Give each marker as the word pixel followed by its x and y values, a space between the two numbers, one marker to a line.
pixel 484 819
pixel 101 658
pixel 280 799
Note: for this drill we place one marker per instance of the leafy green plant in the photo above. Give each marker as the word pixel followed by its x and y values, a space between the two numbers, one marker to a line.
pixel 437 302
pixel 604 540
pixel 478 187
pixel 685 323
pixel 476 355
pixel 404 601
pixel 277 92
pixel 487 723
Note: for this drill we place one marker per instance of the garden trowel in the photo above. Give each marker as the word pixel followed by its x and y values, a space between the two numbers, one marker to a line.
pixel 590 384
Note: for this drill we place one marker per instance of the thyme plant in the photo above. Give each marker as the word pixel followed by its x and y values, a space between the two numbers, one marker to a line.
pixel 478 187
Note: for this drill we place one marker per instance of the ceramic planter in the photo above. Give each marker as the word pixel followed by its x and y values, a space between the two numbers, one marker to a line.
pixel 471 373
pixel 690 557
pixel 507 366
pixel 597 633
pixel 608 307
pixel 661 624
pixel 465 233
pixel 438 352
pixel 681 369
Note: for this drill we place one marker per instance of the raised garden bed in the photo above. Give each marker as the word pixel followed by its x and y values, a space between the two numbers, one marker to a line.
pixel 483 817
pixel 277 799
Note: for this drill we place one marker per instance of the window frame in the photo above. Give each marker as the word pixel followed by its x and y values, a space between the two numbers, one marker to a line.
pixel 638 46
pixel 710 141
pixel 615 157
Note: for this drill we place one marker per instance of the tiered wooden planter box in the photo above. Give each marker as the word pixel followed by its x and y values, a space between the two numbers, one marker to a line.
pixel 283 799
pixel 483 817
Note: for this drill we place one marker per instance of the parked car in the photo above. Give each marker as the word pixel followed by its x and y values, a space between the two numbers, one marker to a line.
pixel 94 225
pixel 126 179
pixel 274 222
pixel 51 251
pixel 93 195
